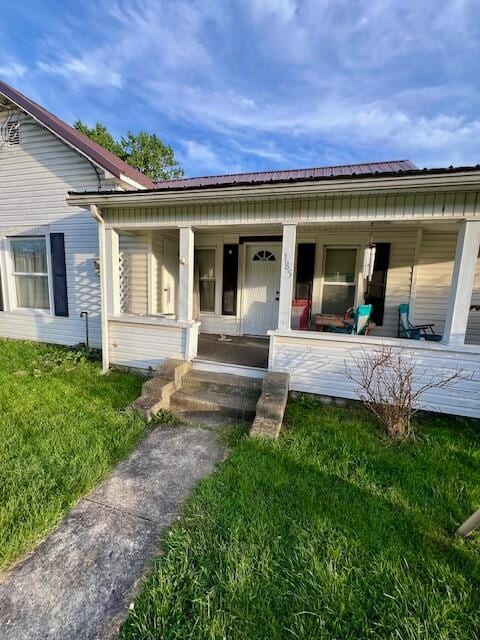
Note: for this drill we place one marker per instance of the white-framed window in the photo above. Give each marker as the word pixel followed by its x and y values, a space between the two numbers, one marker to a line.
pixel 339 279
pixel 205 267
pixel 30 272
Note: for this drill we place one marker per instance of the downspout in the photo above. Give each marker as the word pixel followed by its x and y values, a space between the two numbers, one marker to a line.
pixel 103 286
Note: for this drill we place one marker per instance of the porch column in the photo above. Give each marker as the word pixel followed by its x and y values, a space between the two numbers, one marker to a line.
pixel 468 244
pixel 112 263
pixel 186 254
pixel 286 276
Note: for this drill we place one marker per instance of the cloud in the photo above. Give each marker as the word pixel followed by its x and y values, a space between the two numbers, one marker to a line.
pixel 254 84
pixel 200 154
pixel 282 10
pixel 12 71
pixel 86 70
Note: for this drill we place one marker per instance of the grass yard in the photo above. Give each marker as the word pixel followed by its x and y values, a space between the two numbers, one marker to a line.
pixel 61 430
pixel 330 532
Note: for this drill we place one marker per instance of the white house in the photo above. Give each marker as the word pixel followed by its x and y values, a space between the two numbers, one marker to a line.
pixel 48 250
pixel 247 245
pixel 184 261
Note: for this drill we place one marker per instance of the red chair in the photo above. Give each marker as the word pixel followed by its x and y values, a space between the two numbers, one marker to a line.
pixel 301 313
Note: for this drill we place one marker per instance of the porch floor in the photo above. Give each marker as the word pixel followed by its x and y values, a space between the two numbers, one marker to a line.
pixel 241 350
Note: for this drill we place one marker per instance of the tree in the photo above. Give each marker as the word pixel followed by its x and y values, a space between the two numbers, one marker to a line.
pixel 144 151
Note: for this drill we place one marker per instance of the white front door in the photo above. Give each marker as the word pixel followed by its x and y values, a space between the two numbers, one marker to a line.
pixel 262 288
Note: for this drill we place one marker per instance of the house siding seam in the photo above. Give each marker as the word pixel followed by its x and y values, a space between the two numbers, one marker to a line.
pixel 35 177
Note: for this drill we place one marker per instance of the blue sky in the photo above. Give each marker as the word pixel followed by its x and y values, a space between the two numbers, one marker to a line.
pixel 240 85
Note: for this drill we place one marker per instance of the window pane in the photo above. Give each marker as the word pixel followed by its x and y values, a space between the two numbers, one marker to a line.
pixel 207 295
pixel 337 298
pixel 29 255
pixel 32 292
pixel 206 262
pixel 340 265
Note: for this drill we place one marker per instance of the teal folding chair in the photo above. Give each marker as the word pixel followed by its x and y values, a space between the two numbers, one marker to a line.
pixel 414 331
pixel 360 322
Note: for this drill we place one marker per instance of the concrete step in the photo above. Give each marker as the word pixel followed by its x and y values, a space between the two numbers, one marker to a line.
pixel 212 419
pixel 157 391
pixel 271 405
pixel 232 405
pixel 196 381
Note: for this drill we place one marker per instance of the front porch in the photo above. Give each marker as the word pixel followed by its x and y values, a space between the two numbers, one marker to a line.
pixel 176 274
pixel 242 351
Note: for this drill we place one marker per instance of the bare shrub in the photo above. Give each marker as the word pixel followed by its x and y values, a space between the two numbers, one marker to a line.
pixel 390 385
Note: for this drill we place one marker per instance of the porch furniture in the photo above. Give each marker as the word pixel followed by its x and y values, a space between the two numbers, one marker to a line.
pixel 359 326
pixel 329 321
pixel 414 332
pixel 300 313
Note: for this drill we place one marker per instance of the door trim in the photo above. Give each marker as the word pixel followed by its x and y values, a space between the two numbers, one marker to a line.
pixel 243 274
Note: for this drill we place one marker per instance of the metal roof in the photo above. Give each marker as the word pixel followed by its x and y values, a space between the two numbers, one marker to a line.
pixel 409 173
pixel 290 175
pixel 105 159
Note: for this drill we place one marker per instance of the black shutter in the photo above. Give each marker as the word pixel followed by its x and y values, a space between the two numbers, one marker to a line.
pixel 305 271
pixel 59 274
pixel 230 279
pixel 377 286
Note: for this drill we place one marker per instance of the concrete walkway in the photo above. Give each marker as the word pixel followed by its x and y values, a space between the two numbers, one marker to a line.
pixel 78 583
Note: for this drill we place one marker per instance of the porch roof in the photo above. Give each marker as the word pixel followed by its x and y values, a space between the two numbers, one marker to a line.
pixel 189 191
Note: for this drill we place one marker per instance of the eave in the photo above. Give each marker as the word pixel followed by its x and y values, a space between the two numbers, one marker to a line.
pixel 412 182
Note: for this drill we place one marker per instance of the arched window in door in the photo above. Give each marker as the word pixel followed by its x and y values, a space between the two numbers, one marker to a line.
pixel 264 256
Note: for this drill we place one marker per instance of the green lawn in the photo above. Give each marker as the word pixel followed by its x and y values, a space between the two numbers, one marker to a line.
pixel 61 430
pixel 330 532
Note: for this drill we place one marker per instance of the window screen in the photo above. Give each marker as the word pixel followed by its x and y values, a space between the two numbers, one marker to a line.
pixel 205 265
pixel 30 272
pixel 339 280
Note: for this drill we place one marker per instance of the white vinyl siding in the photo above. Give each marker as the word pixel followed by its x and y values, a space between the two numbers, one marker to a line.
pixel 327 355
pixel 327 210
pixel 35 177
pixel 133 250
pixel 433 284
pixel 145 346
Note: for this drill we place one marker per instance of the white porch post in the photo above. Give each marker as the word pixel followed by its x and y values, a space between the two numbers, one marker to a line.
pixel 186 254
pixel 103 263
pixel 286 276
pixel 463 278
pixel 112 261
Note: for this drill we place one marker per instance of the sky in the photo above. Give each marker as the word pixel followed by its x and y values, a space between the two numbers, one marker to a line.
pixel 252 85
